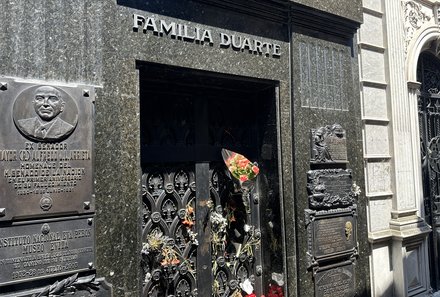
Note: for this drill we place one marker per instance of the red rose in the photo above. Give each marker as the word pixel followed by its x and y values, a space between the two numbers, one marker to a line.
pixel 243 178
pixel 255 169
pixel 242 163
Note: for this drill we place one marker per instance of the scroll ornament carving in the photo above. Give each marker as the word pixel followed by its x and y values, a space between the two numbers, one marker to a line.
pixel 415 17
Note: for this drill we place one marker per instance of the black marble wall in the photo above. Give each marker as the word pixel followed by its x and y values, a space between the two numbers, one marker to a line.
pixel 117 110
pixel 325 92
pixel 349 9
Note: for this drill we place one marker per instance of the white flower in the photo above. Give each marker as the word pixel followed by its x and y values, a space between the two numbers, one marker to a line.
pixel 247 286
pixel 355 189
pixel 247 228
pixel 278 278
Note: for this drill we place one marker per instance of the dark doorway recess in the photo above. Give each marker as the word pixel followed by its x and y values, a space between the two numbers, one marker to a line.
pixel 191 115
pixel 187 117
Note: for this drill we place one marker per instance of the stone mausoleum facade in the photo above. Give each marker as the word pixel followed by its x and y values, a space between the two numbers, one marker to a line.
pixel 398 58
pixel 219 148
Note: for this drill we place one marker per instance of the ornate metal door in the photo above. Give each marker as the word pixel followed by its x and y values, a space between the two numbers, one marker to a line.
pixel 198 237
pixel 428 72
pixel 170 224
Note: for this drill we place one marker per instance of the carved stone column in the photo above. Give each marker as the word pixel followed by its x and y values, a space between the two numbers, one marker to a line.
pixel 408 229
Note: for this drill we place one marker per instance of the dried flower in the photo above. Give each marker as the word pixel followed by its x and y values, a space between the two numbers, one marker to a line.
pixel 218 221
pixel 193 237
pixel 188 223
pixel 210 204
pixel 236 293
pixel 355 189
pixel 189 217
pixel 170 256
pixel 155 241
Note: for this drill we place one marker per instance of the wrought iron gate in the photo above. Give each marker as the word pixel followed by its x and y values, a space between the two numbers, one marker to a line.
pixel 198 237
pixel 428 72
pixel 171 227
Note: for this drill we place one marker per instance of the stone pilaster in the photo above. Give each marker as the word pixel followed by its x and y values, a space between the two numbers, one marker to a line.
pixel 408 230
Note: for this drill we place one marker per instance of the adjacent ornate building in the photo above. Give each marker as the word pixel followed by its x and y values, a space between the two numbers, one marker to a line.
pixel 399 79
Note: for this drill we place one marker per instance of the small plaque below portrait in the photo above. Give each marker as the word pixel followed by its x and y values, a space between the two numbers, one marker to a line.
pixel 335 281
pixel 46 150
pixel 40 249
pixel 328 145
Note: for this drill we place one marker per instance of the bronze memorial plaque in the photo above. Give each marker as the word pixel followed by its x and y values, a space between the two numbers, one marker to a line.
pixel 328 144
pixel 331 234
pixel 39 249
pixel 335 281
pixel 330 188
pixel 46 150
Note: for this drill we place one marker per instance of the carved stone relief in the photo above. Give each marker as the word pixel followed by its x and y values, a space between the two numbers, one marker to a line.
pixel 415 16
pixel 328 144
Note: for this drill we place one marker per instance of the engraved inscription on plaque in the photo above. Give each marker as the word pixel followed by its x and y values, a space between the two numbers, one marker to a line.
pixel 330 188
pixel 331 234
pixel 45 248
pixel 336 281
pixel 328 144
pixel 46 150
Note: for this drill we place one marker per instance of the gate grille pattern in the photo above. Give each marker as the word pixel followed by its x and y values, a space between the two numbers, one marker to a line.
pixel 170 233
pixel 168 197
pixel 428 72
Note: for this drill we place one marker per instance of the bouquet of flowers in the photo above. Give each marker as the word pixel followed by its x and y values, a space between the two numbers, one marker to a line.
pixel 239 166
pixel 243 170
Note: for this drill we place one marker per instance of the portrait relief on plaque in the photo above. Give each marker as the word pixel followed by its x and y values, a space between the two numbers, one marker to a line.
pixel 46 149
pixel 45 113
